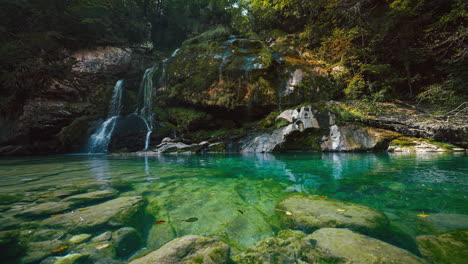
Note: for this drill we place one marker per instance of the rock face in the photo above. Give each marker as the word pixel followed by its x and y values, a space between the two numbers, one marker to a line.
pixel 188 249
pixel 309 213
pixel 451 247
pixel 82 93
pixel 288 247
pixel 114 213
pixel 360 249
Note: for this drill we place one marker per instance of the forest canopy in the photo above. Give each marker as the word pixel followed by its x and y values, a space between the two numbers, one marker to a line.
pixel 407 49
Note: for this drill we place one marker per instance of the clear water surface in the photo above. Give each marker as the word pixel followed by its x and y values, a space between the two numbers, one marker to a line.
pixel 233 196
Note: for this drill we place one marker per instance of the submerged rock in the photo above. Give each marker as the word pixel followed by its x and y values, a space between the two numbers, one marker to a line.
pixel 126 241
pixel 310 212
pixel 10 246
pixel 44 209
pixel 450 247
pixel 289 247
pixel 91 197
pixel 188 249
pixel 77 239
pixel 359 249
pixel 114 213
pixel 438 223
pixel 37 251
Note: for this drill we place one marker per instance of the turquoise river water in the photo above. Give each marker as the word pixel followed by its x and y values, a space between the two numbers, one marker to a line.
pixel 233 196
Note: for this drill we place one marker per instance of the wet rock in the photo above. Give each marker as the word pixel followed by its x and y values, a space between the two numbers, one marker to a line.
pixel 357 138
pixel 188 249
pixel 37 251
pixel 77 239
pixel 450 247
pixel 44 209
pixel 288 247
pixel 359 249
pixel 91 197
pixel 99 252
pixel 170 146
pixel 126 241
pixel 114 213
pixel 102 237
pixel 310 212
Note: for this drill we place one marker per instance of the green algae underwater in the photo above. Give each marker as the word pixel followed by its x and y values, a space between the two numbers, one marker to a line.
pixel 46 202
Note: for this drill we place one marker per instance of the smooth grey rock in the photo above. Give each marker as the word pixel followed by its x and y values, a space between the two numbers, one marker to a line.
pixel 446 248
pixel 310 212
pixel 44 209
pixel 77 239
pixel 126 240
pixel 354 137
pixel 114 213
pixel 188 249
pixel 289 247
pixel 91 197
pixel 359 249
pixel 102 237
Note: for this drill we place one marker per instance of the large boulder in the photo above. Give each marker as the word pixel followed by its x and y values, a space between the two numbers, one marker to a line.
pixel 311 212
pixel 115 213
pixel 188 249
pixel 450 247
pixel 359 249
pixel 288 247
pixel 356 138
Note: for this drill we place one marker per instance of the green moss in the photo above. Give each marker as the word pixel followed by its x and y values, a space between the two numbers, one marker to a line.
pixel 215 33
pixel 404 142
pixel 221 147
pixel 187 118
pixel 412 141
pixel 76 132
pixel 308 140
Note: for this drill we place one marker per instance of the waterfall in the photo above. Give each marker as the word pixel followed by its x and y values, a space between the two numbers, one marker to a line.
pixel 296 79
pixel 146 111
pixel 99 141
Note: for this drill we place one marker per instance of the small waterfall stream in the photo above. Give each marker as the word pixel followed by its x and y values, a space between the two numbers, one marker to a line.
pixel 146 111
pixel 99 141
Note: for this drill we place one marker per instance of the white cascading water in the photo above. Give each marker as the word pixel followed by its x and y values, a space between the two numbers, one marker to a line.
pixel 99 141
pixel 146 112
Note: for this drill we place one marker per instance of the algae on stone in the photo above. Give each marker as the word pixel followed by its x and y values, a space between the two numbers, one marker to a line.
pixel 446 248
pixel 188 249
pixel 359 249
pixel 311 212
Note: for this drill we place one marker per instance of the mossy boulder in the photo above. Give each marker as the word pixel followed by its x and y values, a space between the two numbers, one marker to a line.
pixel 288 247
pixel 359 249
pixel 412 144
pixel 311 212
pixel 188 249
pixel 446 248
pixel 126 240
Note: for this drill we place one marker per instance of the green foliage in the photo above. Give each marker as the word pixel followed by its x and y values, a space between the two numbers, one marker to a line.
pixel 186 118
